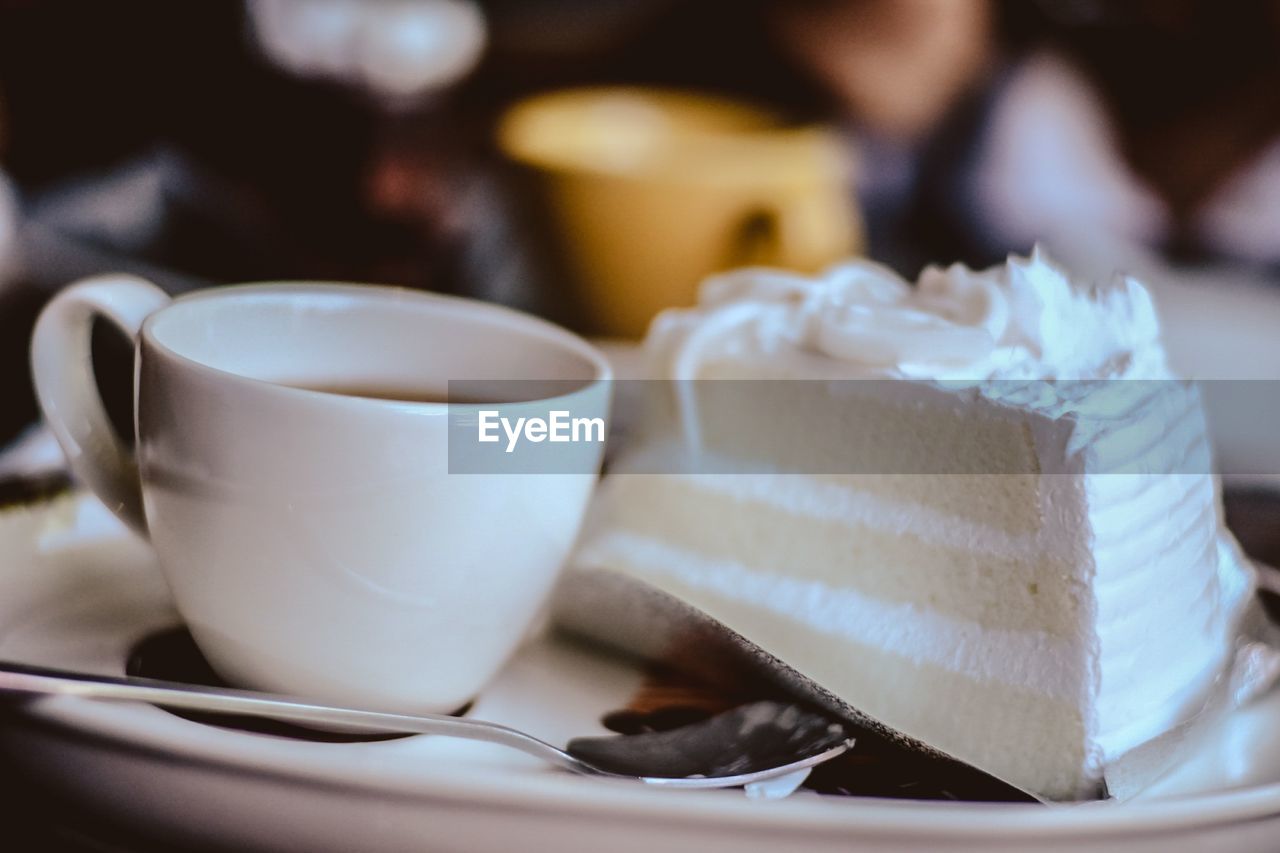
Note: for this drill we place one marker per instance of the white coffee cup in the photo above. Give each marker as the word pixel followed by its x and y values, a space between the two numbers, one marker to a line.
pixel 316 543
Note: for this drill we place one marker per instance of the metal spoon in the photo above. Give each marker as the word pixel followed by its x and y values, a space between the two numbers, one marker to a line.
pixel 823 742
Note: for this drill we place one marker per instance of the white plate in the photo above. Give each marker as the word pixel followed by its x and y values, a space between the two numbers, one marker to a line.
pixel 79 592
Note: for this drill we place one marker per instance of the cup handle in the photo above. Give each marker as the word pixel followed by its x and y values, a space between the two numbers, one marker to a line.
pixel 62 367
pixel 812 231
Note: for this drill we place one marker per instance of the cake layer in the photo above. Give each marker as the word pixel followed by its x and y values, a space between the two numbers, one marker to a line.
pixel 1005 504
pixel 875 426
pixel 834 534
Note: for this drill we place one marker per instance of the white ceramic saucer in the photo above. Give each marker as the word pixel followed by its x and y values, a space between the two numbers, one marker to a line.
pixel 76 591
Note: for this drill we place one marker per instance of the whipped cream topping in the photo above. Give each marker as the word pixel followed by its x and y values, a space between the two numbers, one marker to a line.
pixel 1025 319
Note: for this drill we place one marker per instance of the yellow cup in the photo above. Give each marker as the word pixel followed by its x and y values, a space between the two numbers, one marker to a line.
pixel 641 193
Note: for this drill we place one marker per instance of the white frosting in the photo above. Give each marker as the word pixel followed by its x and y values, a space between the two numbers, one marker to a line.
pixel 1023 320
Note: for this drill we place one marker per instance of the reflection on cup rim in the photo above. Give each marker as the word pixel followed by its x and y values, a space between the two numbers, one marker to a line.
pixel 527 326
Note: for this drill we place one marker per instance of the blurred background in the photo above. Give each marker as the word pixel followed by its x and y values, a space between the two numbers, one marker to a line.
pixel 215 141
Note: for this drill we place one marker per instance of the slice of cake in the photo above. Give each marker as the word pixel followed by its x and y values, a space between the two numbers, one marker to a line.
pixel 979 509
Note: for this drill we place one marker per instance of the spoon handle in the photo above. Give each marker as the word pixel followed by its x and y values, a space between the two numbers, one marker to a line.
pixel 23 678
